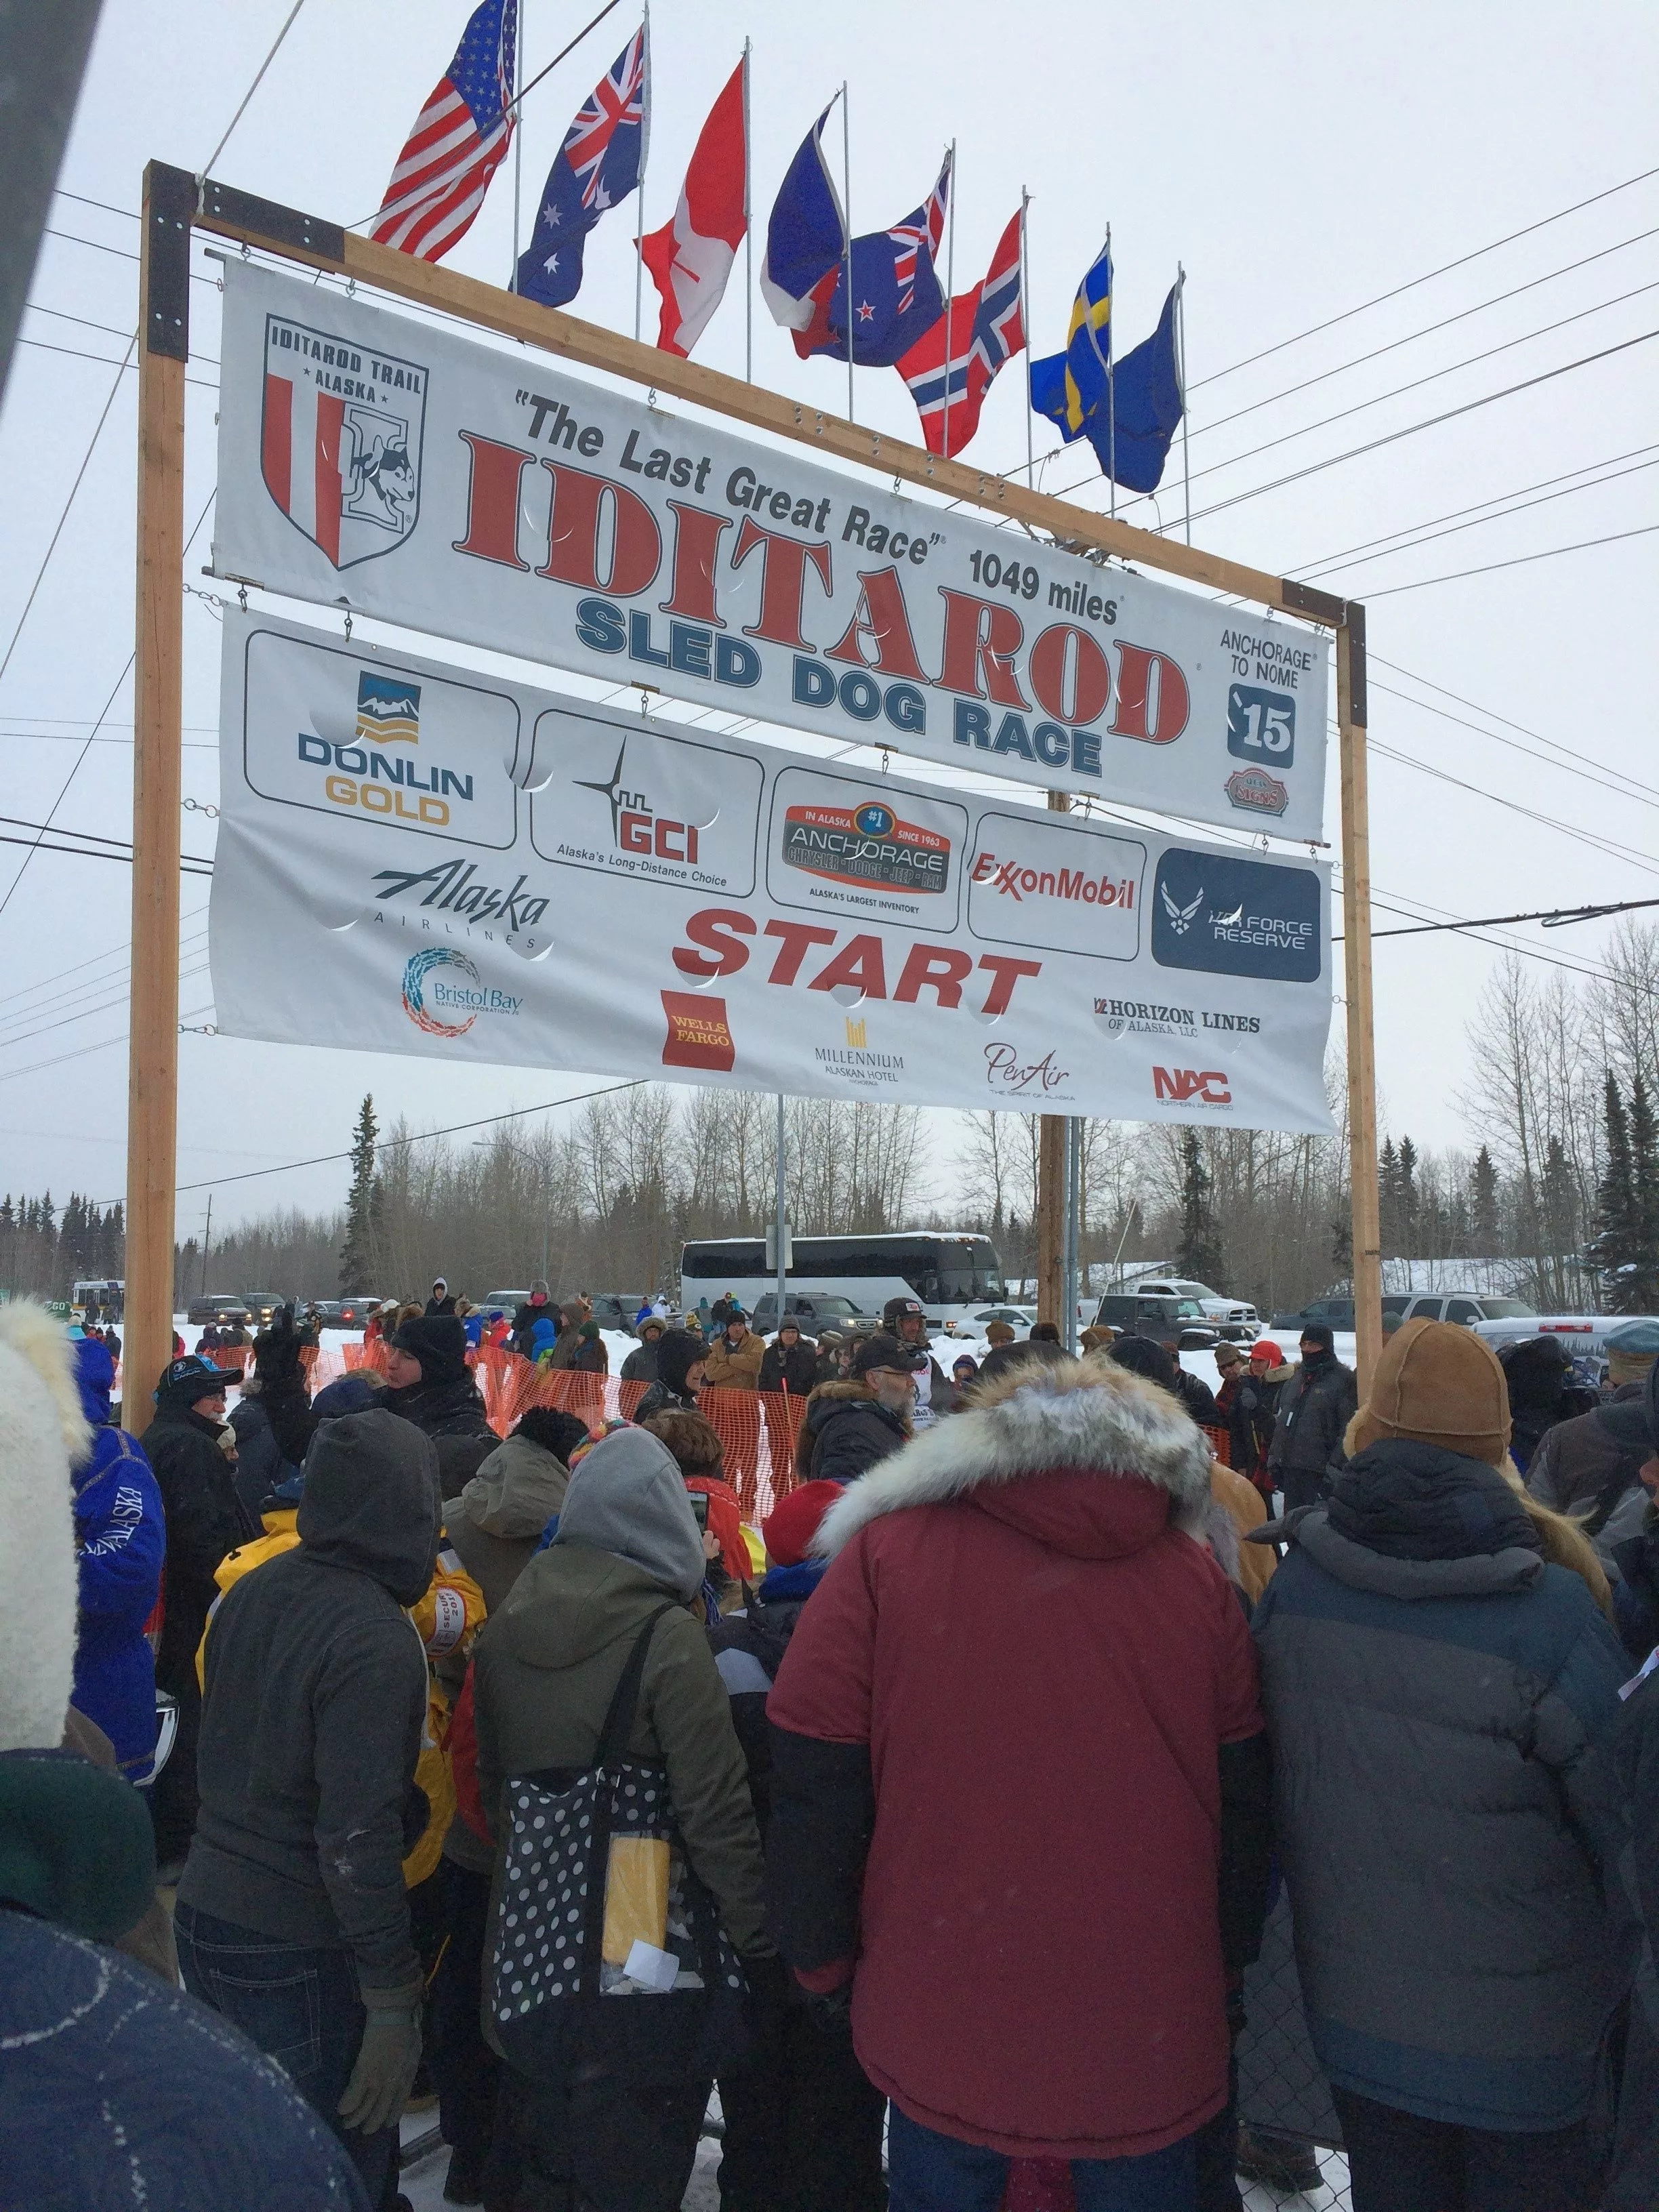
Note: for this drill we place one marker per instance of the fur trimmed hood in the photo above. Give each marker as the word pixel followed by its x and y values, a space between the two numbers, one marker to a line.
pixel 1071 1417
pixel 43 1433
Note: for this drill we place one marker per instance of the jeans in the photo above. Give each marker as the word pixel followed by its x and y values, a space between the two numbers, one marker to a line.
pixel 300 2006
pixel 1399 2163
pixel 931 2173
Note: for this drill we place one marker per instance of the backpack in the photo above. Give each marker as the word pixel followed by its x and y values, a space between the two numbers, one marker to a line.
pixel 608 1948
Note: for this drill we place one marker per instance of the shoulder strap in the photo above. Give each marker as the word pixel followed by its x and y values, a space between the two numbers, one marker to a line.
pixel 619 1720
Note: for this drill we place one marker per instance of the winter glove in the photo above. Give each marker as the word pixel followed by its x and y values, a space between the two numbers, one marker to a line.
pixel 385 2071
pixel 831 2012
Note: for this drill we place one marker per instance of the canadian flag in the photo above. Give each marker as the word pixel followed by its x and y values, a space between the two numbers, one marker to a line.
pixel 691 259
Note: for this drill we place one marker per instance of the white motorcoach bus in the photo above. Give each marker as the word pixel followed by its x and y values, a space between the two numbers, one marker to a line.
pixel 951 1272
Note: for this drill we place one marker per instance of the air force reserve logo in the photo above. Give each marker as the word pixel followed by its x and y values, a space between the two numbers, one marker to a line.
pixel 340 440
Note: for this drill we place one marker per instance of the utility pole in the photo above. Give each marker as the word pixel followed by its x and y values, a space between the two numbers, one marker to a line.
pixel 206 1245
pixel 1051 1200
pixel 780 1224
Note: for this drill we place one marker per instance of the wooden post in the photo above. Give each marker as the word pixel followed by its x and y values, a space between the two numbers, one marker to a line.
pixel 1350 714
pixel 1051 1188
pixel 157 795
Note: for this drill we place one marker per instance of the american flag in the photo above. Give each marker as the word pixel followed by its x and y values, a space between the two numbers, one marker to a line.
pixel 911 235
pixel 618 104
pixel 459 139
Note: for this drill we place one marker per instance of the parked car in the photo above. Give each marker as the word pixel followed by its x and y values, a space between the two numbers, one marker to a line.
pixel 617 1309
pixel 1468 1307
pixel 1582 1335
pixel 262 1304
pixel 325 1312
pixel 1337 1314
pixel 1235 1318
pixel 356 1311
pixel 813 1309
pixel 217 1306
pixel 1140 1314
pixel 503 1301
pixel 1019 1318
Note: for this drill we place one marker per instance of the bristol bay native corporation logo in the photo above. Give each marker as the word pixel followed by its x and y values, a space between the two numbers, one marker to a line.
pixel 444 994
pixel 1232 917
pixel 388 710
pixel 341 430
pixel 699 1033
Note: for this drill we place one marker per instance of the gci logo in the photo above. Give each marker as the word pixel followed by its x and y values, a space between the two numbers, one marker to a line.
pixel 1181 1085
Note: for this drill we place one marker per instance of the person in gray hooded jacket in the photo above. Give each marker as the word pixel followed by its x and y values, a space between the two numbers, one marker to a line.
pixel 292 1917
pixel 546 1667
pixel 1441 1702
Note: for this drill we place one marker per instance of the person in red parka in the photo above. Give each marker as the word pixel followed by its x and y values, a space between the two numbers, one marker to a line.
pixel 1020 1796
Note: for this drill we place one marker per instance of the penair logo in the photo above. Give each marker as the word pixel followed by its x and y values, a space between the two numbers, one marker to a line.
pixel 388 710
pixel 1004 1071
pixel 1233 917
pixel 340 439
pixel 444 994
pixel 867 845
pixel 699 1033
pixel 1192 1086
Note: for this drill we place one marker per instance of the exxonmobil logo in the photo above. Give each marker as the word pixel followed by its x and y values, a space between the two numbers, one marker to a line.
pixel 1209 1086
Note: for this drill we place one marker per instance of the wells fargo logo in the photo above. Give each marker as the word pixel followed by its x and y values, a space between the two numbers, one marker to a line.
pixel 699 1033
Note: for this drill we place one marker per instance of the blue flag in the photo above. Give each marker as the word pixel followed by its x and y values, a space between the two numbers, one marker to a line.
pixel 1133 444
pixel 1068 387
pixel 897 297
pixel 806 244
pixel 597 165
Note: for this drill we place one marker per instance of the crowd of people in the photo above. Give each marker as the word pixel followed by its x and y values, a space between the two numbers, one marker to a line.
pixel 935 1819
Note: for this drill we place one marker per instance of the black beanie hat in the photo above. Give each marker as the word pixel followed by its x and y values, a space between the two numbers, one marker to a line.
pixel 438 1342
pixel 677 1352
pixel 1142 1355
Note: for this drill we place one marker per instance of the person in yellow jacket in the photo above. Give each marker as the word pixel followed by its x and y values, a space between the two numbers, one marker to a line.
pixel 446 1619
pixel 733 1360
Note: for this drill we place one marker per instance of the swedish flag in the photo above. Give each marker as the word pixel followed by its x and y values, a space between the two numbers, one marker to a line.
pixel 1069 387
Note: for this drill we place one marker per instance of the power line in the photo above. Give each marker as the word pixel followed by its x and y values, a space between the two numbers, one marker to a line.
pixel 120 252
pixel 1445 269
pixel 1396 391
pixel 1379 548
pixel 63 193
pixel 35 844
pixel 1554 917
pixel 1449 415
pixel 75 353
pixel 1520 561
pixel 259 78
pixel 1628 787
pixel 105 1007
pixel 1428 330
pixel 1571 752
pixel 35 1067
pixel 193 942
pixel 1562 828
pixel 423 1137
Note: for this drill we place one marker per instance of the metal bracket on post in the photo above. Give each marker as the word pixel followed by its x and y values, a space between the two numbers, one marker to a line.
pixel 170 206
pixel 287 229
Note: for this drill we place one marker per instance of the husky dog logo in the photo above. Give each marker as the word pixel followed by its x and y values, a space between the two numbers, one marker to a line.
pixel 388 710
pixel 340 440
pixel 1181 917
pixel 417 988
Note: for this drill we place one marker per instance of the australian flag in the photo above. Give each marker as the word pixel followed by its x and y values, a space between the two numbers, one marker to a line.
pixel 894 295
pixel 599 164
pixel 984 328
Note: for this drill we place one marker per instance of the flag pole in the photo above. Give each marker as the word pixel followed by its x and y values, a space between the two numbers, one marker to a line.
pixel 748 245
pixel 1111 384
pixel 847 217
pixel 517 139
pixel 1025 332
pixel 645 155
pixel 950 286
pixel 1181 372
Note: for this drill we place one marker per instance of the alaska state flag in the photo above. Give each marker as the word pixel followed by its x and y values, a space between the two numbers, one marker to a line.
pixel 1147 405
pixel 985 327
pixel 599 164
pixel 1069 387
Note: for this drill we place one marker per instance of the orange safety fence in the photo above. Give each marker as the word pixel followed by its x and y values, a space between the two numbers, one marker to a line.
pixel 1221 1442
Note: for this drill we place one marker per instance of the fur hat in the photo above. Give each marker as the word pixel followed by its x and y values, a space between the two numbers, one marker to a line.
pixel 1438 1384
pixel 998 1332
pixel 43 1433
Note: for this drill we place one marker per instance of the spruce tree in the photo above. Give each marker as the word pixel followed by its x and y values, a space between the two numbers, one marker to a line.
pixel 1387 1198
pixel 1198 1253
pixel 1484 1233
pixel 1410 1198
pixel 358 1255
pixel 1617 1226
pixel 1644 1199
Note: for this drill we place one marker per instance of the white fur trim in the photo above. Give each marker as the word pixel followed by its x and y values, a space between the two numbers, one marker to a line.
pixel 42 1432
pixel 1072 1413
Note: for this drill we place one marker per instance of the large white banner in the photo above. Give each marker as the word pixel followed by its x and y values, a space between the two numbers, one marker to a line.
pixel 371 462
pixel 421 860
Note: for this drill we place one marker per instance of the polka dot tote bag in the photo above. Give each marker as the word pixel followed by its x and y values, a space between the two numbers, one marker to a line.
pixel 607 1945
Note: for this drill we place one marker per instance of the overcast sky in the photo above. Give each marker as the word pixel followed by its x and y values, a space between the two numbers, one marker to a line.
pixel 1299 159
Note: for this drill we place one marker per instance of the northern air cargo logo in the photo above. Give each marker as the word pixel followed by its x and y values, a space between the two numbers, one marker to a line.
pixel 867 845
pixel 388 710
pixel 340 439
pixel 444 994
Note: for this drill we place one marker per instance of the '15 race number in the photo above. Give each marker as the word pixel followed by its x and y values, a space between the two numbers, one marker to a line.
pixel 1260 725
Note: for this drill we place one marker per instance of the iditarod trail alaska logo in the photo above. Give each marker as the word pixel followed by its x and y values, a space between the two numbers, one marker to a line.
pixel 340 440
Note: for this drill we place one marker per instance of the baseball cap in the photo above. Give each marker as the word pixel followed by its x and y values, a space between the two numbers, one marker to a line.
pixel 883 1351
pixel 187 1380
pixel 898 1309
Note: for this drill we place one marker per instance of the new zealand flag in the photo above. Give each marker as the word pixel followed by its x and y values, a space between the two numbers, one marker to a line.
pixel 599 164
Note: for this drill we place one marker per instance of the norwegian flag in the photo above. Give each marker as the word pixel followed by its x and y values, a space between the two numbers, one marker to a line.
pixel 599 164
pixel 986 328
pixel 925 228
pixel 458 142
